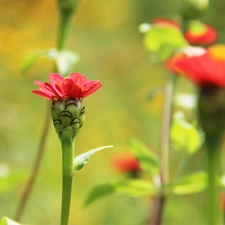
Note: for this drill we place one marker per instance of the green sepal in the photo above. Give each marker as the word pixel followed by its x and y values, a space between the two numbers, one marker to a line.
pixel 134 188
pixel 67 113
pixel 83 158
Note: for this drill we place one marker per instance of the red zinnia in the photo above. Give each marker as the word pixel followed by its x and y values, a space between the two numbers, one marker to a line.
pixel 197 33
pixel 126 163
pixel 74 86
pixel 205 69
pixel 207 35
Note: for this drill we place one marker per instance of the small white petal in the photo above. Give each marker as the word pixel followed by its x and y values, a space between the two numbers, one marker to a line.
pixel 144 27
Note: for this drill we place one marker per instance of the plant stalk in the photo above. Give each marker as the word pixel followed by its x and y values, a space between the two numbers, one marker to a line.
pixel 64 25
pixel 63 30
pixel 213 155
pixel 157 214
pixel 67 175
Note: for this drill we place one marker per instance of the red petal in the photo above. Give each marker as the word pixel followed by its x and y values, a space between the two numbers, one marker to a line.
pixel 56 81
pixel 78 79
pixel 45 87
pixel 91 87
pixel 43 94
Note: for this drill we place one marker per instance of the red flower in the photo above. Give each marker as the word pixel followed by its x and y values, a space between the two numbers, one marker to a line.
pixel 205 69
pixel 165 22
pixel 126 163
pixel 207 35
pixel 196 33
pixel 75 86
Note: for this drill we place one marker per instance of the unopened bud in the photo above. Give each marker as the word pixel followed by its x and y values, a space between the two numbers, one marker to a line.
pixel 67 114
pixel 193 9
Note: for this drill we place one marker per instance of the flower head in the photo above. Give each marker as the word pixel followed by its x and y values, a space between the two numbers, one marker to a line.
pixel 68 112
pixel 200 34
pixel 196 32
pixel 126 163
pixel 75 86
pixel 207 69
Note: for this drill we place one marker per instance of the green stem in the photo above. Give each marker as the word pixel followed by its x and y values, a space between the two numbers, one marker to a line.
pixel 67 174
pixel 213 154
pixel 63 29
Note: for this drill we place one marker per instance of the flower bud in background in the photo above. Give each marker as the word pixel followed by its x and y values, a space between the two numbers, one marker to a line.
pixel 196 32
pixel 126 163
pixel 193 9
pixel 207 71
pixel 66 95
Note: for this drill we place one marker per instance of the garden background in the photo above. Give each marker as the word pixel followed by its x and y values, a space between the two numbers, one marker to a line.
pixel 105 35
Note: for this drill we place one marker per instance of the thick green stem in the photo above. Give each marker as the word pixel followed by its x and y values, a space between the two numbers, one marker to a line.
pixel 213 154
pixel 63 29
pixel 67 175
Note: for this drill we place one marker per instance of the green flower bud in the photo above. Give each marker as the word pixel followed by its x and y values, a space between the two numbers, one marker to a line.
pixel 193 9
pixel 211 106
pixel 67 114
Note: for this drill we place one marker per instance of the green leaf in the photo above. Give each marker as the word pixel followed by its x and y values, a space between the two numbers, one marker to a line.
pixel 190 184
pixel 7 221
pixel 148 160
pixel 185 136
pixel 65 61
pixel 32 58
pixel 82 159
pixel 164 40
pixel 134 188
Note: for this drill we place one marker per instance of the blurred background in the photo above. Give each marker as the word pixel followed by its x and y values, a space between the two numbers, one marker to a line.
pixel 105 35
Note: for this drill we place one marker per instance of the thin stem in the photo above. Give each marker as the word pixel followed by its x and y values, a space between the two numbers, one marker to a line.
pixel 159 205
pixel 160 201
pixel 165 130
pixel 213 154
pixel 30 183
pixel 67 175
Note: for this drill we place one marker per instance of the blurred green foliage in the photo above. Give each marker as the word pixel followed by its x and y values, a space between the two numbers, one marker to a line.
pixel 105 35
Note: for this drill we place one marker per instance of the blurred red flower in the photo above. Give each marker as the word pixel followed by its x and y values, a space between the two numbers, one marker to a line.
pixel 206 69
pixel 75 86
pixel 196 33
pixel 126 163
pixel 207 35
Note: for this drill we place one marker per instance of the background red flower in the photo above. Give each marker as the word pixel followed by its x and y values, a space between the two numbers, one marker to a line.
pixel 203 70
pixel 126 163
